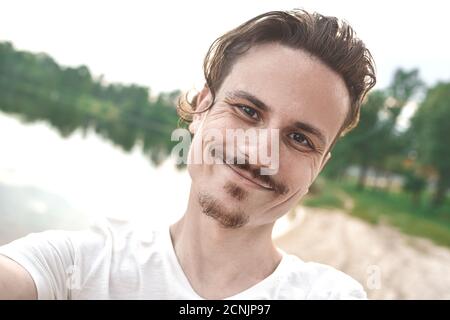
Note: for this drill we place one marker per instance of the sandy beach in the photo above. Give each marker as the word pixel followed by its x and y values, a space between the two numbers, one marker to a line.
pixel 388 263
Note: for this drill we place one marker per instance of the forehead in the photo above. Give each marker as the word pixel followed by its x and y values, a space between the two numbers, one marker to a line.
pixel 296 86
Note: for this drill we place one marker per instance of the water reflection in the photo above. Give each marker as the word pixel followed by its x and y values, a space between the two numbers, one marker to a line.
pixel 47 181
pixel 94 177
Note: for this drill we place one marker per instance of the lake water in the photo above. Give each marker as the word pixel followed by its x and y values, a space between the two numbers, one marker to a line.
pixel 48 182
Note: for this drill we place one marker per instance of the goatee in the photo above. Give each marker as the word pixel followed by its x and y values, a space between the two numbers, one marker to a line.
pixel 214 209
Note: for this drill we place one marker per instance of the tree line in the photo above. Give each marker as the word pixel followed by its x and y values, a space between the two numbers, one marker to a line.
pixel 35 87
pixel 419 153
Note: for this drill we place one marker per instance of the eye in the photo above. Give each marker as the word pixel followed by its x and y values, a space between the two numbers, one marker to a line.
pixel 248 111
pixel 301 139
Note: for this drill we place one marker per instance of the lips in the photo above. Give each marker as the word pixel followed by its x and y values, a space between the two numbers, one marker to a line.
pixel 246 175
pixel 243 173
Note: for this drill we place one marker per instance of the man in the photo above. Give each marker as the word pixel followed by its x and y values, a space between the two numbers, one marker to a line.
pixel 301 76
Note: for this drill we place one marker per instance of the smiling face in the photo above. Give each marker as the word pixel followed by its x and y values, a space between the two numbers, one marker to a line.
pixel 270 87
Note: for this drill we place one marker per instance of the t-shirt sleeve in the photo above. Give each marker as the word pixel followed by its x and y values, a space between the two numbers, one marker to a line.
pixel 64 264
pixel 48 257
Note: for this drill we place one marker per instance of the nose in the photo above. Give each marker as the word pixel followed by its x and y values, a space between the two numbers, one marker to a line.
pixel 261 149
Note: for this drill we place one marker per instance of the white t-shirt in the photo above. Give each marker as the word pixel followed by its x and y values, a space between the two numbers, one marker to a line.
pixel 113 261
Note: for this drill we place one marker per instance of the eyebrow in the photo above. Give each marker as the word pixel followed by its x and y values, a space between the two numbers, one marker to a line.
pixel 261 105
pixel 250 97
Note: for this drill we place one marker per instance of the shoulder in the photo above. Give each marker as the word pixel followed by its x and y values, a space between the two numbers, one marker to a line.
pixel 312 280
pixel 113 235
pixel 64 264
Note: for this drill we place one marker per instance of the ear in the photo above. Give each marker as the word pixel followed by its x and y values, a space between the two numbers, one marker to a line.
pixel 325 160
pixel 203 100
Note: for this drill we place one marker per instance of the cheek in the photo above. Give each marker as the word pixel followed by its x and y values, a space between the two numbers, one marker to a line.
pixel 199 165
pixel 298 178
pixel 221 118
pixel 299 171
pixel 192 167
pixel 196 154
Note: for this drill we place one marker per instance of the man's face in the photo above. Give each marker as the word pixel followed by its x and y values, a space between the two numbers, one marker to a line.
pixel 298 92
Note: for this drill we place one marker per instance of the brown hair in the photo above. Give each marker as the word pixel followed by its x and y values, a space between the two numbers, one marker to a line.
pixel 331 41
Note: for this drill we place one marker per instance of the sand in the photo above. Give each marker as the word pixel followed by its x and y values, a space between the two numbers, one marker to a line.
pixel 388 263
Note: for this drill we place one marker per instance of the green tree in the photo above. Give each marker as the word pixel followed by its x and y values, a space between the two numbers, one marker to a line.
pixel 34 87
pixel 376 143
pixel 414 184
pixel 431 130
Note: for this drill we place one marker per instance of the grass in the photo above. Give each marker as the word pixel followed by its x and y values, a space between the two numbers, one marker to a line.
pixel 395 208
pixel 328 198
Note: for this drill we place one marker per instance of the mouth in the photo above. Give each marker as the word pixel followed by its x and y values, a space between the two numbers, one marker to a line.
pixel 245 176
pixel 249 179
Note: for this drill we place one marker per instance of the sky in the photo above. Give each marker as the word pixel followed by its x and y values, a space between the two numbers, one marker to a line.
pixel 161 44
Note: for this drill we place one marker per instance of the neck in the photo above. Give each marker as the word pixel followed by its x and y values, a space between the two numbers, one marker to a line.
pixel 218 261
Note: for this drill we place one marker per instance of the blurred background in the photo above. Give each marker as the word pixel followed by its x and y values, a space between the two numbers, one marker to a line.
pixel 87 107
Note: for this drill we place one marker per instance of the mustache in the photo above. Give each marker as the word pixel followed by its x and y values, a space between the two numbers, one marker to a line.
pixel 277 187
